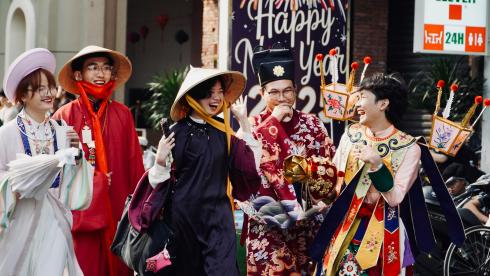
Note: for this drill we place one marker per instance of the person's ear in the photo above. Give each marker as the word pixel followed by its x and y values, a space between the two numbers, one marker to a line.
pixel 384 105
pixel 78 75
pixel 23 100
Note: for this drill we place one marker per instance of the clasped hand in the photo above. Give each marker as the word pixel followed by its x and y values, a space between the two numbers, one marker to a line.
pixel 368 155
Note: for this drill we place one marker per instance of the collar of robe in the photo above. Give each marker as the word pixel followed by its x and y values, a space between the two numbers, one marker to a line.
pixel 224 127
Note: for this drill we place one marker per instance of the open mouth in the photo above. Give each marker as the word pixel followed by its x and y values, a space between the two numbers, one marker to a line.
pixel 213 107
pixel 99 82
pixel 47 100
pixel 361 113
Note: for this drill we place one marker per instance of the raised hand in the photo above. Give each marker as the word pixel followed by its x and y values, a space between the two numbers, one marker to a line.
pixel 239 109
pixel 165 146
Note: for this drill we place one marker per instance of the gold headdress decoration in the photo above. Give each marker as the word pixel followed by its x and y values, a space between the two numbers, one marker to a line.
pixel 448 136
pixel 340 99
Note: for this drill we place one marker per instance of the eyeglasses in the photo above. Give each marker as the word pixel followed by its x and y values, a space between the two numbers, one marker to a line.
pixel 286 93
pixel 106 69
pixel 43 91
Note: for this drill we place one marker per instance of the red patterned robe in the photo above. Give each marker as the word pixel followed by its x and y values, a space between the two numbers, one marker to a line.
pixel 279 229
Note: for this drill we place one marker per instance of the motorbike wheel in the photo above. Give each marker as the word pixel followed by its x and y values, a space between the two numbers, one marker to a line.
pixel 473 257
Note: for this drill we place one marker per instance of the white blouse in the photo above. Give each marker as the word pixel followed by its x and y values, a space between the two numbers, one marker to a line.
pixel 35 220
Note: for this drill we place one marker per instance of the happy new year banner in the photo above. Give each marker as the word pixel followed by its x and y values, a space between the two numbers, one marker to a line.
pixel 306 26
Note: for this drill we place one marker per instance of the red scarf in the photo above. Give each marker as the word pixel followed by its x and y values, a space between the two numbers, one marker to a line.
pixel 98 92
pixel 102 93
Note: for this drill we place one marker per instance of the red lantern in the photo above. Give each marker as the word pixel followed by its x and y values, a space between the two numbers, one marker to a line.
pixel 162 20
pixel 133 37
pixel 144 30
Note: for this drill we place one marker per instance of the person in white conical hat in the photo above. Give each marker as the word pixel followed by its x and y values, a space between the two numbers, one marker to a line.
pixel 205 154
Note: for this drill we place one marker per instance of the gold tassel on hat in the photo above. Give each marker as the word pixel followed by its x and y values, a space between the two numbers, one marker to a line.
pixel 352 76
pixel 319 58
pixel 440 85
pixel 471 112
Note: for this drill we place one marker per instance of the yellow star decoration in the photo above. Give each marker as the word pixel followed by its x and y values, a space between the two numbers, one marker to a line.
pixel 278 71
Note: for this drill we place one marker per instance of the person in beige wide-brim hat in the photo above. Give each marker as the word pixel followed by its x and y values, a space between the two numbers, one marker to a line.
pixel 121 67
pixel 234 84
pixel 206 153
pixel 110 144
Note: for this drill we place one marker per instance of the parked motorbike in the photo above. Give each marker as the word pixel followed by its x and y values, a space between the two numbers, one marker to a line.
pixel 446 258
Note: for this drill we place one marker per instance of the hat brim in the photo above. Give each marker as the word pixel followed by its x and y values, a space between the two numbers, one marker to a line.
pixel 23 65
pixel 234 85
pixel 122 68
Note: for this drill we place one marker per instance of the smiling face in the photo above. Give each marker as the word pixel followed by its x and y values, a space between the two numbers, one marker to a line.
pixel 279 92
pixel 369 109
pixel 39 100
pixel 213 102
pixel 95 70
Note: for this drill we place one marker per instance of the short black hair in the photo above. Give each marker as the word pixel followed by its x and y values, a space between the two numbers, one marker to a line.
pixel 77 64
pixel 453 170
pixel 203 90
pixel 391 87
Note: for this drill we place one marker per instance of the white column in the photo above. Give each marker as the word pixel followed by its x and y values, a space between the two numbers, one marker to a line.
pixel 121 23
pixel 20 30
pixel 94 22
pixel 224 35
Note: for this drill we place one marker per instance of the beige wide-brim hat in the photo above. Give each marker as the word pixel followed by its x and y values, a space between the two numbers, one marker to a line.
pixel 234 83
pixel 122 68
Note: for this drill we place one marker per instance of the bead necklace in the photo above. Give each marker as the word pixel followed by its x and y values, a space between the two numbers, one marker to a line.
pixel 42 140
pixel 27 148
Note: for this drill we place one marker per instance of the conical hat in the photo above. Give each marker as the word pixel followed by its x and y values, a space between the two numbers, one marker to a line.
pixel 122 67
pixel 234 85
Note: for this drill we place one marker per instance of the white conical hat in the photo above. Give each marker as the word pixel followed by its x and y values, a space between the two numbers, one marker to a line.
pixel 234 83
